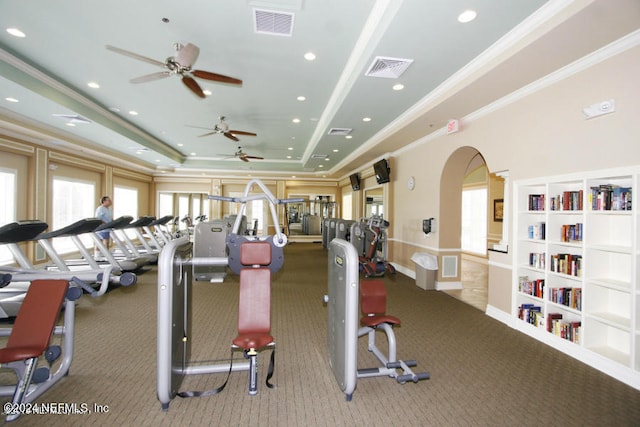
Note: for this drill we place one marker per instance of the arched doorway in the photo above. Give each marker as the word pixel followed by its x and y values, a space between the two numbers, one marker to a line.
pixel 466 223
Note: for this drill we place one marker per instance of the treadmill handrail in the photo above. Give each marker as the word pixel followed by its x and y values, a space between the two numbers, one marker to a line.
pixel 82 226
pixel 21 231
pixel 116 223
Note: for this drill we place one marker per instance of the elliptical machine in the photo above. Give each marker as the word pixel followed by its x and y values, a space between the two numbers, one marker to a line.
pixel 373 260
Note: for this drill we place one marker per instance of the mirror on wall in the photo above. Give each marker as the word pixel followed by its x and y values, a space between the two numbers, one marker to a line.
pixel 305 218
pixel 374 202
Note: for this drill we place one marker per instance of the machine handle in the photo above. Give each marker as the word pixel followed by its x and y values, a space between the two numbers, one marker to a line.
pixel 80 284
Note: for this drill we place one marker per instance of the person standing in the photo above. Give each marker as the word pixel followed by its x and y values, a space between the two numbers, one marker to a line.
pixel 105 214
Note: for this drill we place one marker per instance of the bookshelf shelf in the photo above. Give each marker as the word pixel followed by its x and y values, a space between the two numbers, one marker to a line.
pixel 581 232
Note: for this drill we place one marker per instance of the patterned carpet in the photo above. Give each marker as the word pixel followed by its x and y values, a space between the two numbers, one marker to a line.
pixel 482 372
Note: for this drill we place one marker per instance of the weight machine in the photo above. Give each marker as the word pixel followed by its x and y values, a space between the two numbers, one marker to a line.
pixel 254 259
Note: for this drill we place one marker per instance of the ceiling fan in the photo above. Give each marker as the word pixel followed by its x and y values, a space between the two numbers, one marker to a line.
pixel 223 128
pixel 180 64
pixel 244 156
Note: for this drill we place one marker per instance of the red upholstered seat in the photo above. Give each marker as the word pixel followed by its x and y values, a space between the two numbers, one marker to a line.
pixel 36 319
pixel 254 307
pixel 373 303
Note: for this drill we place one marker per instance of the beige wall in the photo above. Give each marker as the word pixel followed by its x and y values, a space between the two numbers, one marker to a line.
pixel 542 134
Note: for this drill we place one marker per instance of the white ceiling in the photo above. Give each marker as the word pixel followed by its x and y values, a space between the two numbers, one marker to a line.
pixel 457 68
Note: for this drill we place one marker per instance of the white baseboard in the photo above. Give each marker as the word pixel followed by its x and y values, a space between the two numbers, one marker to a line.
pixel 448 286
pixel 499 315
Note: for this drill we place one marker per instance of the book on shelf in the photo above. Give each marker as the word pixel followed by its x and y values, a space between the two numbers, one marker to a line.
pixel 567 201
pixel 610 197
pixel 568 264
pixel 531 314
pixel 570 297
pixel 571 232
pixel 531 287
pixel 537 260
pixel 537 231
pixel 566 329
pixel 536 202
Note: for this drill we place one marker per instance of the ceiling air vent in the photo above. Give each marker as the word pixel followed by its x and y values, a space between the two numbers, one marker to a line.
pixel 272 22
pixel 319 156
pixel 339 131
pixel 389 68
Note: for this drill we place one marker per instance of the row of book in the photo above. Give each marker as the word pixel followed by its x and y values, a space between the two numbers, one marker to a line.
pixel 566 329
pixel 570 297
pixel 536 202
pixel 569 264
pixel 531 313
pixel 537 260
pixel 567 201
pixel 571 232
pixel 609 197
pixel 537 231
pixel 531 287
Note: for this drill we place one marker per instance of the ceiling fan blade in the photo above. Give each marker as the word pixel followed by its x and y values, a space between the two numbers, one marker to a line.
pixel 207 134
pixel 151 77
pixel 193 85
pixel 187 55
pixel 254 157
pixel 215 77
pixel 199 127
pixel 230 136
pixel 244 158
pixel 241 132
pixel 135 56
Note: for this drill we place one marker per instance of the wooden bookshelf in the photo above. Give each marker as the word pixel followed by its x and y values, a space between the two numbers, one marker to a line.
pixel 585 290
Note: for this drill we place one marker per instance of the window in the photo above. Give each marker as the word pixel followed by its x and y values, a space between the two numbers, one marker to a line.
pixel 165 204
pixel 8 189
pixel 73 200
pixel 346 206
pixel 183 209
pixel 125 202
pixel 474 221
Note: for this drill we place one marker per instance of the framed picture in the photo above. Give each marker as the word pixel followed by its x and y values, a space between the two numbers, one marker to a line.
pixel 498 210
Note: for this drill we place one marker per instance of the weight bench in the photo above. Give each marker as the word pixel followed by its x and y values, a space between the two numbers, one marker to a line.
pixel 254 308
pixel 373 303
pixel 29 339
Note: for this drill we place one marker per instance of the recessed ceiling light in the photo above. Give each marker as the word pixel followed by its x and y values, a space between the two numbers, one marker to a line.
pixel 301 98
pixel 288 157
pixel 157 160
pixel 139 152
pixel 293 176
pixel 467 16
pixel 366 119
pixel 349 136
pixel 180 144
pixel 70 124
pixel 133 113
pixel 207 92
pixel 11 99
pixel 296 120
pixel 16 32
pixel 320 166
pixel 398 86
pixel 335 150
pixel 327 159
pixel 114 109
pixel 290 148
pixel 93 85
pixel 192 154
pixel 309 56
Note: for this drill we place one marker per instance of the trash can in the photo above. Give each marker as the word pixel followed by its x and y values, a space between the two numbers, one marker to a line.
pixel 426 269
